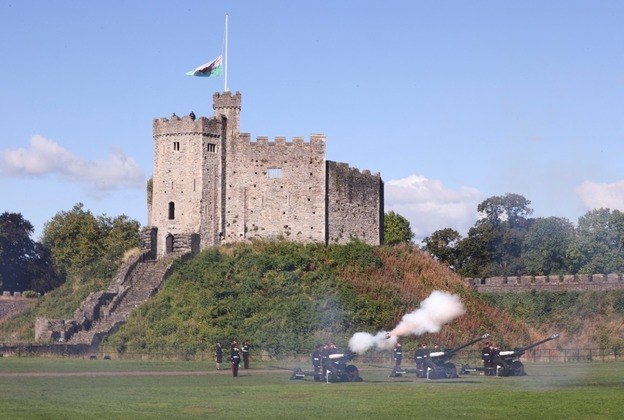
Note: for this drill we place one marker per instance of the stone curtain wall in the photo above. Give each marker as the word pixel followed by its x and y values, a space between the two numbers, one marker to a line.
pixel 579 282
pixel 354 204
pixel 276 189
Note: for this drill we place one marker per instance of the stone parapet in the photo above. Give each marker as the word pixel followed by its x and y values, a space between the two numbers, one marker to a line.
pixel 568 282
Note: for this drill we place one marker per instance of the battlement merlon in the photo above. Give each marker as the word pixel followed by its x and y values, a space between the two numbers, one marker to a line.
pixel 226 100
pixel 345 168
pixel 315 140
pixel 176 126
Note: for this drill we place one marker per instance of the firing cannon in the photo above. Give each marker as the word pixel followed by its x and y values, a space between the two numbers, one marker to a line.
pixel 438 365
pixel 335 369
pixel 507 362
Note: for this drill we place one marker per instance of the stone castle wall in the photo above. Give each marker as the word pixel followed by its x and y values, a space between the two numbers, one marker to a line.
pixel 354 204
pixel 225 187
pixel 276 189
pixel 579 282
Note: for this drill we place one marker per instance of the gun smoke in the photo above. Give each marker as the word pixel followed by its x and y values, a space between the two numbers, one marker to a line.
pixel 436 310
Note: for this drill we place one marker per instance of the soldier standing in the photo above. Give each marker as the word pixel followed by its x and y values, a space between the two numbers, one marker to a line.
pixel 316 362
pixel 420 358
pixel 245 350
pixel 219 355
pixel 235 358
pixel 486 356
pixel 397 355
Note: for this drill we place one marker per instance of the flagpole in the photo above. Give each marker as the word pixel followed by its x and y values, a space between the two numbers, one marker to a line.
pixel 226 49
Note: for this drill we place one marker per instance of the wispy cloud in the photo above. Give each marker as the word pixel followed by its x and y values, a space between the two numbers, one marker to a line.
pixel 45 157
pixel 429 205
pixel 596 195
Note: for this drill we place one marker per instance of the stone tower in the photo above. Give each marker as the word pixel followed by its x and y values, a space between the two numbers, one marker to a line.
pixel 213 184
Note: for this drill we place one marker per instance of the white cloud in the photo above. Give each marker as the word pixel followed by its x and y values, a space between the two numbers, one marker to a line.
pixel 46 157
pixel 430 206
pixel 596 195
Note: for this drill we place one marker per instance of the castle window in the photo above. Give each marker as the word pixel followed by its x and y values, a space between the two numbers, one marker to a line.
pixel 212 147
pixel 171 210
pixel 176 146
pixel 275 173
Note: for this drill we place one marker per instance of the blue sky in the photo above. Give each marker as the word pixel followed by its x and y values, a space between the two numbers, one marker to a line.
pixel 451 101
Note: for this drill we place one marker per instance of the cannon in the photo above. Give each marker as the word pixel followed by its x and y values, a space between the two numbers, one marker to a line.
pixel 507 362
pixel 335 369
pixel 438 365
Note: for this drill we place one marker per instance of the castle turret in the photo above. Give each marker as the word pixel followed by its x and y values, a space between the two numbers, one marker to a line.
pixel 228 105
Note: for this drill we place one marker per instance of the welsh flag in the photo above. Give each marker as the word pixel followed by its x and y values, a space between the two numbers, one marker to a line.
pixel 212 68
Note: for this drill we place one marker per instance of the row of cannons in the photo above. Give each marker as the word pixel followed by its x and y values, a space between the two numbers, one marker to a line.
pixel 434 365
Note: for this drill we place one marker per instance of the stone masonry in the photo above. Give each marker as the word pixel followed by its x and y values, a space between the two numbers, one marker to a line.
pixel 104 311
pixel 555 283
pixel 212 181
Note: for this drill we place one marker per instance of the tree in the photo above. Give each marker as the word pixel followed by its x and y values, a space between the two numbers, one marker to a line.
pixel 599 243
pixel 545 246
pixel 80 240
pixel 443 244
pixel 396 229
pixel 16 248
pixel 493 246
pixel 24 263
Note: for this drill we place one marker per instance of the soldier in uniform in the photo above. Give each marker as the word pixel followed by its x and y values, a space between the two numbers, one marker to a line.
pixel 245 350
pixel 397 355
pixel 218 355
pixel 486 356
pixel 420 357
pixel 235 358
pixel 316 362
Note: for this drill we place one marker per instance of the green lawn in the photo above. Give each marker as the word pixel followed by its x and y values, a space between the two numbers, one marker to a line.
pixel 566 391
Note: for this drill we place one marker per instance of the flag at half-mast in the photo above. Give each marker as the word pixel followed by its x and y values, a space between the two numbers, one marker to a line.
pixel 213 68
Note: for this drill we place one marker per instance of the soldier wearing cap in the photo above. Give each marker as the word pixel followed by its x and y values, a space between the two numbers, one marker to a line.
pixel 245 350
pixel 317 362
pixel 397 355
pixel 486 356
pixel 420 358
pixel 235 358
pixel 218 355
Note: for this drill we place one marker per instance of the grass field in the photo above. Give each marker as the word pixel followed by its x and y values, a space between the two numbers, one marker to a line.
pixel 76 388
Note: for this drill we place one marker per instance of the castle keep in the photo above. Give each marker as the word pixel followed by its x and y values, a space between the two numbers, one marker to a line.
pixel 212 185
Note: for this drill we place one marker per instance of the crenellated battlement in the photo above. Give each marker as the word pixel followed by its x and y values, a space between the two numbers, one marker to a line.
pixel 568 282
pixel 188 124
pixel 315 140
pixel 226 100
pixel 351 170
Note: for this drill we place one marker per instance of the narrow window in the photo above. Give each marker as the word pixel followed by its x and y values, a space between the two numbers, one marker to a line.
pixel 176 146
pixel 212 147
pixel 275 173
pixel 171 210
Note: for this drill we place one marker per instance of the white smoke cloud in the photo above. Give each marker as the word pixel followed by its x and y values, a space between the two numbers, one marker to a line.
pixel 430 206
pixel 46 157
pixel 595 195
pixel 436 310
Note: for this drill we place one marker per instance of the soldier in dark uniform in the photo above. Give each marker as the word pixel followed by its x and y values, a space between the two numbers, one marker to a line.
pixel 316 363
pixel 218 355
pixel 245 350
pixel 486 356
pixel 420 357
pixel 235 358
pixel 397 355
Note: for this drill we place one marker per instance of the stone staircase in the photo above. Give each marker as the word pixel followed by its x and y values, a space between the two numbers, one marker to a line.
pixel 103 312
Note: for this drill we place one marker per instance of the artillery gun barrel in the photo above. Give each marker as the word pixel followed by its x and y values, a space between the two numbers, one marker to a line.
pixel 455 350
pixel 521 350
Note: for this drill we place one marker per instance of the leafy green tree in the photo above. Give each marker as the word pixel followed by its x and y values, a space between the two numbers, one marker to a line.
pixel 80 240
pixel 545 246
pixel 397 229
pixel 494 245
pixel 443 244
pixel 599 243
pixel 24 263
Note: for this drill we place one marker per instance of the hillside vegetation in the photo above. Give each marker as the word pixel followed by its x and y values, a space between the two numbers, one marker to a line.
pixel 583 318
pixel 286 297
